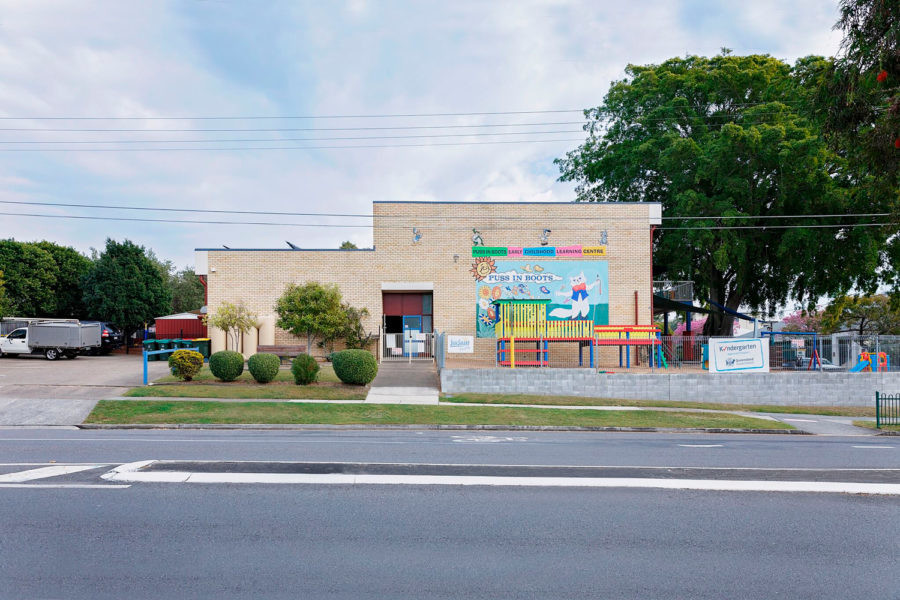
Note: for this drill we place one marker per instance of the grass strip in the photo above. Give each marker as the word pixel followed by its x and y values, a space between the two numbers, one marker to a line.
pixel 253 391
pixel 162 412
pixel 871 425
pixel 326 375
pixel 838 411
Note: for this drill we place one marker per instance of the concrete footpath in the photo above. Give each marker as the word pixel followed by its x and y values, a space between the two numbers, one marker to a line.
pixel 405 383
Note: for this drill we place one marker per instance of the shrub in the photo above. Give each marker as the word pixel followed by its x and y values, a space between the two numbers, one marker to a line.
pixel 305 369
pixel 264 367
pixel 226 365
pixel 185 364
pixel 357 367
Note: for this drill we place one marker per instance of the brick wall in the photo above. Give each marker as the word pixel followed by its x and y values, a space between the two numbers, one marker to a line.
pixel 443 257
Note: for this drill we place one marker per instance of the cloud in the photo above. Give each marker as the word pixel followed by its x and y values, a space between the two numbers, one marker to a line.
pixel 212 58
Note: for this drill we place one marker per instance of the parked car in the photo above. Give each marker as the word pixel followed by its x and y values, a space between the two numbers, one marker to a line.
pixel 111 338
pixel 53 339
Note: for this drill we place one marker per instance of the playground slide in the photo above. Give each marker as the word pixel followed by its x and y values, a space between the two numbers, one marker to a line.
pixel 858 367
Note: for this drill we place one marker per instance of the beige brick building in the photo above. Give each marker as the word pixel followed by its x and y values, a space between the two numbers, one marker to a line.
pixel 422 269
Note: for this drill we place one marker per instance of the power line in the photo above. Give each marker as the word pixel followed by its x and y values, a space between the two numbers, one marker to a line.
pixel 245 148
pixel 294 117
pixel 461 228
pixel 423 217
pixel 281 129
pixel 306 139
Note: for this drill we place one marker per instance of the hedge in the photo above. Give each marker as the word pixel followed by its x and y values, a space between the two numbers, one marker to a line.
pixel 357 367
pixel 226 365
pixel 185 363
pixel 263 367
pixel 305 369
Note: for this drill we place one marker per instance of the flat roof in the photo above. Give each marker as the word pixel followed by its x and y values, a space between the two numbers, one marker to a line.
pixel 220 249
pixel 496 202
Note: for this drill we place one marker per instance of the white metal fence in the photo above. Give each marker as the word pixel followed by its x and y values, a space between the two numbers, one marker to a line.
pixel 408 346
pixel 788 352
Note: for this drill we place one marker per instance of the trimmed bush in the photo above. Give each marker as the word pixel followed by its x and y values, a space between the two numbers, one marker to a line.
pixel 185 364
pixel 357 367
pixel 226 365
pixel 264 367
pixel 305 369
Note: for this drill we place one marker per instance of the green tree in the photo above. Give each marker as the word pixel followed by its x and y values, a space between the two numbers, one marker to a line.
pixel 125 287
pixel 721 142
pixel 234 320
pixel 354 334
pixel 3 299
pixel 862 314
pixel 71 267
pixel 857 97
pixel 187 291
pixel 312 310
pixel 31 275
pixel 347 245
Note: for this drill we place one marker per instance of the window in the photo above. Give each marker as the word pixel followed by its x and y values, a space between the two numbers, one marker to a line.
pixel 18 334
pixel 426 304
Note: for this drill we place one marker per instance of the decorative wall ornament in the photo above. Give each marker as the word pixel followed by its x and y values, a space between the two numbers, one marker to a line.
pixel 603 238
pixel 482 267
pixel 545 237
pixel 416 235
pixel 477 240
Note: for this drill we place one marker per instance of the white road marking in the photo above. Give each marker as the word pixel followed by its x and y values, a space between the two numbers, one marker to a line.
pixel 489 439
pixel 701 445
pixel 131 472
pixel 45 472
pixel 867 447
pixel 54 486
pixel 588 482
pixel 801 420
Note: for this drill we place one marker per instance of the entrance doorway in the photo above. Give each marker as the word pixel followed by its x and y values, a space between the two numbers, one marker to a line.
pixel 407 332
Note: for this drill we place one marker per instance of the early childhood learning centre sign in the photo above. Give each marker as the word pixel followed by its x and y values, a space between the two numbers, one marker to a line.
pixel 733 355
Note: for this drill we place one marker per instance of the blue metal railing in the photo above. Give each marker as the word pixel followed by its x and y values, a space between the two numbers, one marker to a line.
pixel 166 351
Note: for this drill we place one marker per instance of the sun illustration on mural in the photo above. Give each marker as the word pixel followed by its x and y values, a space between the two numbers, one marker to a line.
pixel 482 267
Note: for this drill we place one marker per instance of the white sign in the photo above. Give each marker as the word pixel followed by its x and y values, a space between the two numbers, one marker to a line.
pixel 735 355
pixel 461 344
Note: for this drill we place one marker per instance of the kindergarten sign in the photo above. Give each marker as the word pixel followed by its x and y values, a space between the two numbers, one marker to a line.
pixel 730 355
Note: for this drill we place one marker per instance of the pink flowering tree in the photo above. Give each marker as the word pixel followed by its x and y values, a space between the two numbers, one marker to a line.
pixel 803 321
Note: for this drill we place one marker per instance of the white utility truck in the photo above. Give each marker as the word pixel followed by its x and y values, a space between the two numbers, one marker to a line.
pixel 52 339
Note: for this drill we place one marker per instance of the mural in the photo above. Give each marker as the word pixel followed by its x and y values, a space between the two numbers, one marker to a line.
pixel 577 289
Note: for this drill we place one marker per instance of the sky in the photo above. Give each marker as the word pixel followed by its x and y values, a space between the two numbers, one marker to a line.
pixel 158 65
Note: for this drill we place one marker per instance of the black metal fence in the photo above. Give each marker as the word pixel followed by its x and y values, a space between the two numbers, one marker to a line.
pixel 887 409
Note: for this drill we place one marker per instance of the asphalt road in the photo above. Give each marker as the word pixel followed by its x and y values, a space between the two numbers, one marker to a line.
pixel 468 447
pixel 153 540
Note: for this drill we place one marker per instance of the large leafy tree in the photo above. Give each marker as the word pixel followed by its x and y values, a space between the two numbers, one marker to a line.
pixel 71 267
pixel 313 310
pixel 858 100
pixel 187 291
pixel 3 301
pixel 31 274
pixel 862 314
pixel 723 142
pixel 125 287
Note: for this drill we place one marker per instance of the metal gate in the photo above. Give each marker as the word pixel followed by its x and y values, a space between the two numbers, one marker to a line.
pixel 407 346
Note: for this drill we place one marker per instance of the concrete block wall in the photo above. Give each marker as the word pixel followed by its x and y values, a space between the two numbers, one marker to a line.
pixel 782 389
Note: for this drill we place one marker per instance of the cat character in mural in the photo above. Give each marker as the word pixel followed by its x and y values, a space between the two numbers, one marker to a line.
pixel 578 297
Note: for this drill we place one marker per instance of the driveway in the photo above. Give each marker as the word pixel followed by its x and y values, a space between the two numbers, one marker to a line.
pixel 36 391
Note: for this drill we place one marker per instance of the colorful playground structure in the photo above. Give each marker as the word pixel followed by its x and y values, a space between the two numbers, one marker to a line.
pixel 525 336
pixel 872 362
